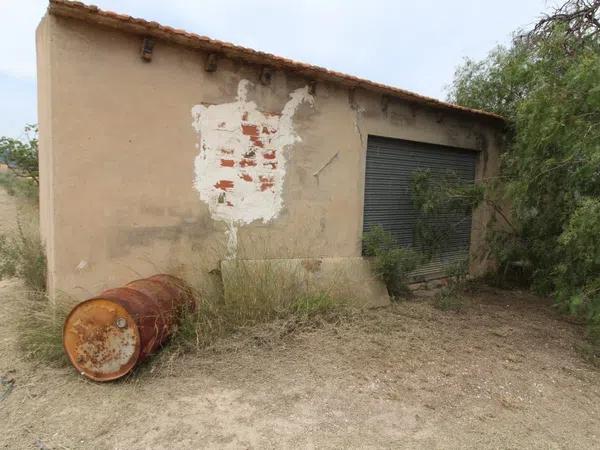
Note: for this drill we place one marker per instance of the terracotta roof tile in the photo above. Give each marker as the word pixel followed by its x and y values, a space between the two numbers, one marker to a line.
pixel 93 14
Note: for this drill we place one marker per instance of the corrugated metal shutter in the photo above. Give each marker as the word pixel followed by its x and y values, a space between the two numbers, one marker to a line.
pixel 390 166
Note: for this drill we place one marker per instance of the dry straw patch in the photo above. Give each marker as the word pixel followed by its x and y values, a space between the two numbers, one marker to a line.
pixel 38 323
pixel 280 292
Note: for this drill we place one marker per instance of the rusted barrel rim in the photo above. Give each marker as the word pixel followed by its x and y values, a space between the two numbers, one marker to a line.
pixel 132 361
pixel 102 348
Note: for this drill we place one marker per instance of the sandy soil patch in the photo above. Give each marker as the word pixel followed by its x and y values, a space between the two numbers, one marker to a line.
pixel 503 374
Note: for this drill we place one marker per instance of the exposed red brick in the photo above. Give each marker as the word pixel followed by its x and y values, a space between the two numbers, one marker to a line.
pixel 269 155
pixel 257 141
pixel 247 162
pixel 229 203
pixel 227 162
pixel 246 177
pixel 224 185
pixel 265 182
pixel 249 130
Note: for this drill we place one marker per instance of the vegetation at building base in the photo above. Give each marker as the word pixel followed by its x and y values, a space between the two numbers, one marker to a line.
pixel 547 85
pixel 442 201
pixel 268 292
pixel 391 262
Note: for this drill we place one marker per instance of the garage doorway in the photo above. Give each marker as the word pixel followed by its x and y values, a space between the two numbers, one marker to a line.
pixel 390 166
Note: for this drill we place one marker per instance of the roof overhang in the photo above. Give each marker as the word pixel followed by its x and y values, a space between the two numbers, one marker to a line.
pixel 92 14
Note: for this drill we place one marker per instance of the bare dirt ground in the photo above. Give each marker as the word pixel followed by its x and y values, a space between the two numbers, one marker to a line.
pixel 503 374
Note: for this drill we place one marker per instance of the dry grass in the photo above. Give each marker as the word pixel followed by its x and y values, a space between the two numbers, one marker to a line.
pixel 38 323
pixel 258 295
pixel 23 189
pixel 37 319
pixel 22 253
pixel 269 292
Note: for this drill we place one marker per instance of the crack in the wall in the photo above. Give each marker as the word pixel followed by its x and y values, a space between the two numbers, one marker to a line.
pixel 359 111
pixel 241 166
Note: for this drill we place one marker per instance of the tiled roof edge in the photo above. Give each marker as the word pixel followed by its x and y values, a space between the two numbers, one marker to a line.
pixel 93 14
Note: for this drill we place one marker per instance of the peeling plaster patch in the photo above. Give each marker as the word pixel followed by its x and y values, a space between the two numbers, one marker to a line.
pixel 240 169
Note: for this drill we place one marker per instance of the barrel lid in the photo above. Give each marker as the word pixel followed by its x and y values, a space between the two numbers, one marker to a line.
pixel 101 339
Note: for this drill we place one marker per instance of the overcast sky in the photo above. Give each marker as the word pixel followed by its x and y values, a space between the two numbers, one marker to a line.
pixel 415 45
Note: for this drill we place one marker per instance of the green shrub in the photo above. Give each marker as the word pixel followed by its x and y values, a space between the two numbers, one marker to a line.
pixel 391 262
pixel 310 305
pixel 577 276
pixel 450 299
pixel 22 188
pixel 21 155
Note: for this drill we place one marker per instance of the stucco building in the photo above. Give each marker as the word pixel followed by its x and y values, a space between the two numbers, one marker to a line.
pixel 159 148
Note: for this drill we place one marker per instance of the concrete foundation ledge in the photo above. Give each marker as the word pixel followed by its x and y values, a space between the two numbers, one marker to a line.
pixel 349 279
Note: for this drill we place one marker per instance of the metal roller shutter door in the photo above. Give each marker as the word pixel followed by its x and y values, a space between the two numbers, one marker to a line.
pixel 390 165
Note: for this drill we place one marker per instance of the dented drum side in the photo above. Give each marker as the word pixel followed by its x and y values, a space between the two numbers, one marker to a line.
pixel 105 337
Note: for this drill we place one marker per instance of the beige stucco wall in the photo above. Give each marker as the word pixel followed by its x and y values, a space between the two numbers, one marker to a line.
pixel 117 155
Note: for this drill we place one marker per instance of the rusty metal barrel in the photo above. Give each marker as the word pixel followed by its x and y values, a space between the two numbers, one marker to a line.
pixel 106 336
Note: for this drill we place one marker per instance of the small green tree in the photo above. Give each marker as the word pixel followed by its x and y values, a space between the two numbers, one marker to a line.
pixel 547 85
pixel 577 275
pixel 21 155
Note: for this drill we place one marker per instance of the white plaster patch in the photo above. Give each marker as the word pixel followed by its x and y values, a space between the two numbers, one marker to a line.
pixel 240 169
